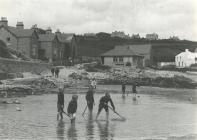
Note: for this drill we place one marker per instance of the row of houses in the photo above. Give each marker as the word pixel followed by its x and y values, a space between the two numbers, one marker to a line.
pixel 121 34
pixel 57 48
pixel 62 49
pixel 148 55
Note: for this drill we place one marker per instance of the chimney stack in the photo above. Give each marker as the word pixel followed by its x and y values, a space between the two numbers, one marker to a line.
pixel 48 30
pixel 3 21
pixel 186 50
pixel 19 25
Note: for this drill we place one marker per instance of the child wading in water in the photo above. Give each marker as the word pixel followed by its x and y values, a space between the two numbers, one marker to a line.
pixel 90 99
pixel 72 108
pixel 123 89
pixel 60 103
pixel 104 104
pixel 134 89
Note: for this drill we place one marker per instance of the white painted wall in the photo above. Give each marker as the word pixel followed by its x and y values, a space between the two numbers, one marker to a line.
pixel 185 59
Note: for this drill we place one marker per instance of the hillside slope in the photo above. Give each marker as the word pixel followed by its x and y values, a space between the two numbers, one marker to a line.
pixel 93 47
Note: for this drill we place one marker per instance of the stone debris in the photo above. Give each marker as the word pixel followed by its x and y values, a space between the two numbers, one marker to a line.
pixel 77 77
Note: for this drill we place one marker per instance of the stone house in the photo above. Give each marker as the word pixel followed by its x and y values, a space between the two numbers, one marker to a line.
pixel 50 47
pixel 22 40
pixel 124 56
pixel 57 48
pixel 69 46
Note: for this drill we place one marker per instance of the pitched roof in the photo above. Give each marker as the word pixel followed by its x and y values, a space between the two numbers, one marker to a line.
pixel 46 37
pixel 121 51
pixel 141 49
pixel 20 32
pixel 65 38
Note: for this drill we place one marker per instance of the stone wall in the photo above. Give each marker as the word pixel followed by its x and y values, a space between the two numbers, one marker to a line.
pixel 19 66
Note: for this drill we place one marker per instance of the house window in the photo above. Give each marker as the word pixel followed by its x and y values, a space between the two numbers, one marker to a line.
pixel 120 59
pixel 115 59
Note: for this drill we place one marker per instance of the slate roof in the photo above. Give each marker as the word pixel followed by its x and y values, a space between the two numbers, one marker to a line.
pixel 65 38
pixel 121 51
pixel 20 32
pixel 141 49
pixel 46 37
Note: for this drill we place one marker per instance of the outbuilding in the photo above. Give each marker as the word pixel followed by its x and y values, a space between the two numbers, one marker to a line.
pixel 122 55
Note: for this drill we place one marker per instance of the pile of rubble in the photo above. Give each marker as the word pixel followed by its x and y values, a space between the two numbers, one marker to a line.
pixel 29 86
pixel 14 90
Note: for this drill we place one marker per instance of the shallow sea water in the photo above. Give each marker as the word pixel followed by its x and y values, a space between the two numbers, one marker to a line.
pixel 152 117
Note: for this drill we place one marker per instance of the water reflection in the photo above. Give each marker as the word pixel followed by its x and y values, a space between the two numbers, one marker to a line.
pixel 60 129
pixel 104 130
pixel 90 127
pixel 136 100
pixel 72 132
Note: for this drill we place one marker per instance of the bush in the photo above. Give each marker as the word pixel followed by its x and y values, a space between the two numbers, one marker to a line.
pixel 128 64
pixel 96 67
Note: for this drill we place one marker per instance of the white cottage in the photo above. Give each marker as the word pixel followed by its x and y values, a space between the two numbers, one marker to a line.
pixel 122 55
pixel 185 59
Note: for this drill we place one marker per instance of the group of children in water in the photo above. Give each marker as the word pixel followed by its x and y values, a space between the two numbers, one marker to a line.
pixel 103 103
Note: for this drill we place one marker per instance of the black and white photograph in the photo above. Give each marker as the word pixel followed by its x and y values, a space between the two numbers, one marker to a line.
pixel 98 70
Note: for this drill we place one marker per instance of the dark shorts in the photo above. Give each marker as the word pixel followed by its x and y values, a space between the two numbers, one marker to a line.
pixel 60 108
pixel 90 106
pixel 103 106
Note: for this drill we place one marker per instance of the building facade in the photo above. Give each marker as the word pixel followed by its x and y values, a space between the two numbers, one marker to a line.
pixel 185 59
pixel 68 47
pixel 22 40
pixel 135 36
pixel 57 48
pixel 119 34
pixel 144 50
pixel 152 36
pixel 50 47
pixel 123 56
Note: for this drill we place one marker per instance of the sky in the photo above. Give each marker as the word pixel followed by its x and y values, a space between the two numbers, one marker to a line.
pixel 164 17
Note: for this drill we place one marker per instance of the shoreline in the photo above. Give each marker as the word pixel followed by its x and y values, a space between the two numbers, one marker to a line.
pixel 114 89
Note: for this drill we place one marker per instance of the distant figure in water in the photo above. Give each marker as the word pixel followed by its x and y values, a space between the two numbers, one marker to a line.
pixel 134 88
pixel 90 99
pixel 104 104
pixel 93 83
pixel 123 88
pixel 52 71
pixel 60 103
pixel 72 108
pixel 57 72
